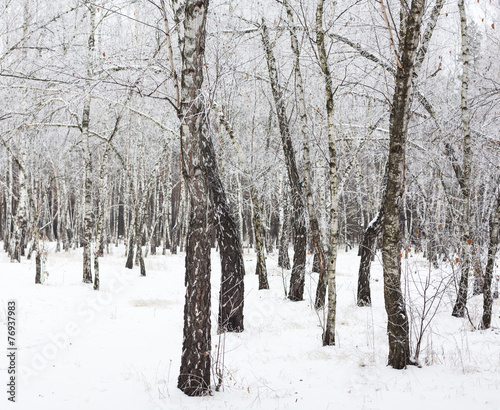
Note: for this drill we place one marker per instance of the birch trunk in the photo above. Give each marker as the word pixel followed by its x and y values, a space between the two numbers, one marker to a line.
pixel 67 218
pixel 329 332
pixel 184 225
pixel 239 196
pixel 88 222
pixel 176 222
pixel 313 219
pixel 397 327
pixel 194 378
pixel 153 237
pixel 231 295
pixel 488 273
pixel 21 221
pixel 167 206
pixel 8 208
pixel 367 249
pixel 60 206
pixel 283 257
pixel 297 278
pixel 129 264
pixel 261 269
pixel 461 302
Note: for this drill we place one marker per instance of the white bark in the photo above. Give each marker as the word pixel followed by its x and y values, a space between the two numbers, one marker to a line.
pixel 329 332
pixel 461 302
pixel 87 160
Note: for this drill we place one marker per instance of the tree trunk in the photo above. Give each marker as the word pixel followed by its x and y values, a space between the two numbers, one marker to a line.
pixel 488 273
pixel 167 206
pixel 261 269
pixel 21 221
pixel 329 332
pixel 302 111
pixel 139 232
pixel 463 288
pixel 8 208
pixel 38 258
pixel 367 248
pixel 184 222
pixel 297 278
pixel 129 264
pixel 283 257
pixel 194 378
pixel 231 296
pixel 239 196
pixel 397 326
pixel 87 235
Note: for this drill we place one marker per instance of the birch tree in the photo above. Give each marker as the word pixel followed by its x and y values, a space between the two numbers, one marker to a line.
pixel 88 219
pixel 194 377
pixel 488 274
pixel 297 278
pixel 465 181
pixel 301 107
pixel 329 332
pixel 397 325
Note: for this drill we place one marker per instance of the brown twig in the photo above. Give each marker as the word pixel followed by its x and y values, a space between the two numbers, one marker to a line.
pixel 389 30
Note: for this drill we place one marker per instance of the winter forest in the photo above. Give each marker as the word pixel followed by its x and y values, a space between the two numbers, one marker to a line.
pixel 236 204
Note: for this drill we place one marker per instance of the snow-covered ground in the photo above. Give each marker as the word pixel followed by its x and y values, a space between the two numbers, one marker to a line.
pixel 120 348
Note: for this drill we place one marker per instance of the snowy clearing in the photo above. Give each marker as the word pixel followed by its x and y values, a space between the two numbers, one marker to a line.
pixel 120 348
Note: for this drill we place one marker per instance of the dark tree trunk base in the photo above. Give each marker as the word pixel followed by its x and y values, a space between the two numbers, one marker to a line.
pixel 319 302
pixel 38 275
pixel 366 250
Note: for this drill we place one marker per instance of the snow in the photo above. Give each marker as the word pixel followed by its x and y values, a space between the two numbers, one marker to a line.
pixel 120 348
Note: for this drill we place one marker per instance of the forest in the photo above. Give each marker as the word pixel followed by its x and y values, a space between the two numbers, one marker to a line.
pixel 230 187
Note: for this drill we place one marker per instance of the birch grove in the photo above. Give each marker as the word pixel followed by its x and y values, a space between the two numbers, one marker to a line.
pixel 309 127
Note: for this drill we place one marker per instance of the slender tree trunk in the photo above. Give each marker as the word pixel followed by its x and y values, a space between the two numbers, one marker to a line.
pixel 167 206
pixel 59 215
pixel 367 248
pixel 239 196
pixel 38 262
pixel 184 226
pixel 67 218
pixel 313 219
pixel 8 208
pixel 283 257
pixel 194 378
pixel 21 221
pixel 101 193
pixel 488 273
pixel 153 237
pixel 176 228
pixel 87 236
pixel 139 223
pixel 397 327
pixel 129 264
pixel 36 238
pixel 461 302
pixel 261 269
pixel 297 278
pixel 329 332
